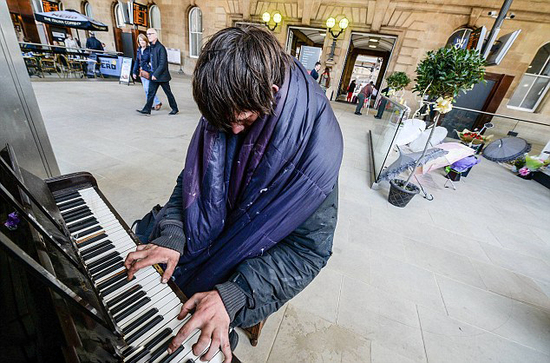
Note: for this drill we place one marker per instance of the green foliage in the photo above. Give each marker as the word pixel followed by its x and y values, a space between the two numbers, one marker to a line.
pixel 398 81
pixel 447 71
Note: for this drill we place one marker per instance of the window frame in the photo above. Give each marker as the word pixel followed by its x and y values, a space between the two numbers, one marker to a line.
pixel 118 8
pixel 87 6
pixel 536 78
pixel 191 33
pixel 151 22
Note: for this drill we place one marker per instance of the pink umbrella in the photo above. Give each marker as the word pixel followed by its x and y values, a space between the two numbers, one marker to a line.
pixel 455 152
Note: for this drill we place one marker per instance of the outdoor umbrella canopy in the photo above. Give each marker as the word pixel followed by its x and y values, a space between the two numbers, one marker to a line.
pixel 506 149
pixel 71 19
pixel 407 161
pixel 411 129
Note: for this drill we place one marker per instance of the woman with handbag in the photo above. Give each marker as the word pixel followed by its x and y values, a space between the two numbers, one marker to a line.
pixel 142 67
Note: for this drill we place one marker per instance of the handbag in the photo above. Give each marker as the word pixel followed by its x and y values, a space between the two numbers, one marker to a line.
pixel 144 74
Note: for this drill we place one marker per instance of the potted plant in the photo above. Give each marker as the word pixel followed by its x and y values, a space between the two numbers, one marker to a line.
pixel 529 165
pixel 397 81
pixel 441 76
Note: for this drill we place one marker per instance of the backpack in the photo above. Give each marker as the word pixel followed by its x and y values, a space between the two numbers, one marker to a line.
pixel 144 226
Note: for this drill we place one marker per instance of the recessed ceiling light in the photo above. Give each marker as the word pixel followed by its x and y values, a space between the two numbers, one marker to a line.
pixel 372 46
pixel 373 40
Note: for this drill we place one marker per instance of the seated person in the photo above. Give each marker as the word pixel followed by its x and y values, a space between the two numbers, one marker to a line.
pixel 251 220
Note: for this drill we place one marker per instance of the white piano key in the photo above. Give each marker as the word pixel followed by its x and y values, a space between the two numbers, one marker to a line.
pixel 156 298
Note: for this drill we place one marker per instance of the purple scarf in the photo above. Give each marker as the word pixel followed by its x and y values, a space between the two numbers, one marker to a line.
pixel 244 194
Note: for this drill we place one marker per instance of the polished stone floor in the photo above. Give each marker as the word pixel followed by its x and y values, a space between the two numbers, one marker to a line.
pixel 463 278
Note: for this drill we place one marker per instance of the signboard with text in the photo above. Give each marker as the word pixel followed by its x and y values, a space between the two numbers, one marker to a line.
pixel 309 56
pixel 140 14
pixel 125 71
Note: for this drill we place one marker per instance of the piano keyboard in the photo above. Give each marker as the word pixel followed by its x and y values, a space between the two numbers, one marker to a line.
pixel 144 310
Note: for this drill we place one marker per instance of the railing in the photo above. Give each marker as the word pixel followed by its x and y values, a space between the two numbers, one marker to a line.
pixel 385 131
pixel 49 48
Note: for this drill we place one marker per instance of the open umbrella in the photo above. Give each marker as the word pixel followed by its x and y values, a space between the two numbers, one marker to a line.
pixel 440 133
pixel 410 130
pixel 407 161
pixel 71 19
pixel 455 152
pixel 506 149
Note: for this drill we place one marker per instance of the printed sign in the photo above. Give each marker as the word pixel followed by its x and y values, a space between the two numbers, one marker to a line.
pixel 125 70
pixel 109 66
pixel 49 6
pixel 174 55
pixel 309 56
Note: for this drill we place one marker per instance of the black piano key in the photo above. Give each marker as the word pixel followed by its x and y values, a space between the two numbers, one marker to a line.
pixel 127 351
pixel 144 329
pixel 98 252
pixel 165 333
pixel 139 356
pixel 102 259
pixel 105 265
pixel 91 240
pixel 65 197
pixel 68 205
pixel 116 286
pixel 84 213
pixel 131 309
pixel 76 211
pixel 82 224
pixel 124 304
pixel 112 280
pixel 161 349
pixel 169 357
pixel 97 246
pixel 123 296
pixel 89 231
pixel 142 319
pixel 105 272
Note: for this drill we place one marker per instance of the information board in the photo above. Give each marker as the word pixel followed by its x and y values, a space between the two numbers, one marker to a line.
pixel 174 55
pixel 125 70
pixel 109 66
pixel 140 14
pixel 309 56
pixel 50 6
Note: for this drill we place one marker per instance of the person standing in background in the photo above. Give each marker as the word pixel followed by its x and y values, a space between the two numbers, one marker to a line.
pixel 365 93
pixel 93 43
pixel 160 76
pixel 383 102
pixel 315 71
pixel 351 89
pixel 142 68
pixel 324 81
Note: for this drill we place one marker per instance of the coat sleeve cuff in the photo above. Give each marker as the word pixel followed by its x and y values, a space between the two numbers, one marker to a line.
pixel 171 236
pixel 233 298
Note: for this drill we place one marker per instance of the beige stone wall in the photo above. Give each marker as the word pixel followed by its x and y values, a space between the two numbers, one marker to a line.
pixel 420 25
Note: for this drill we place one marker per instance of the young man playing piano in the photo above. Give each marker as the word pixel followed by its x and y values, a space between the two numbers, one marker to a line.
pixel 251 220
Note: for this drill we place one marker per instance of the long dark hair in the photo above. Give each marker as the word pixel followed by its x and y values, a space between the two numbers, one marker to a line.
pixel 235 73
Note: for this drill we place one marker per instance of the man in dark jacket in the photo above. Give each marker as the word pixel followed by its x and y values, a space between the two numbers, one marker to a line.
pixel 160 75
pixel 93 43
pixel 251 220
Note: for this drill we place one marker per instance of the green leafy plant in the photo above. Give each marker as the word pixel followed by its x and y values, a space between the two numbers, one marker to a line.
pixel 447 71
pixel 398 81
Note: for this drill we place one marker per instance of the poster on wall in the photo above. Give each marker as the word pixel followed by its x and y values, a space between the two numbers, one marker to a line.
pixel 125 70
pixel 174 55
pixel 309 56
pixel 139 14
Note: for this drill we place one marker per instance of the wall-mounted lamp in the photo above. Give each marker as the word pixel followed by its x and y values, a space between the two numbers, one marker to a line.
pixel 342 25
pixel 268 19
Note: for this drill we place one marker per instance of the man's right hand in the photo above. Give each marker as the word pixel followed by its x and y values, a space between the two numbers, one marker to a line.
pixel 148 255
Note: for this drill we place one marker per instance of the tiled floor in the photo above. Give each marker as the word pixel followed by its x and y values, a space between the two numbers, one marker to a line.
pixel 464 278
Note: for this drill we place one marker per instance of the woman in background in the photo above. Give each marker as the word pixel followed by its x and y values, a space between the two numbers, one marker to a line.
pixel 324 79
pixel 142 67
pixel 351 89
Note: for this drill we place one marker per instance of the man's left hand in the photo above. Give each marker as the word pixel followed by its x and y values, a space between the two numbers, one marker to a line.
pixel 154 78
pixel 211 318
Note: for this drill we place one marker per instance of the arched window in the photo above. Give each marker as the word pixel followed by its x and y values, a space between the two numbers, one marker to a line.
pixel 534 84
pixel 88 10
pixel 119 16
pixel 195 32
pixel 154 17
pixel 61 6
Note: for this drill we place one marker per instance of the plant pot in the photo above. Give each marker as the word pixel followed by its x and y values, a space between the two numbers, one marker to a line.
pixel 400 196
pixel 526 177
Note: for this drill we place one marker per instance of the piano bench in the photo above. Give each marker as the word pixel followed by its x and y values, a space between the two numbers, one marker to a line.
pixel 254 332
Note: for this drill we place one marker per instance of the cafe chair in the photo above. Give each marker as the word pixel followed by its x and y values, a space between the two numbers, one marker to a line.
pixel 49 65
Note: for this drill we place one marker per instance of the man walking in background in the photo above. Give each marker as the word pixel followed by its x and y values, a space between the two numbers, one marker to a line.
pixel 315 71
pixel 93 43
pixel 365 93
pixel 160 76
